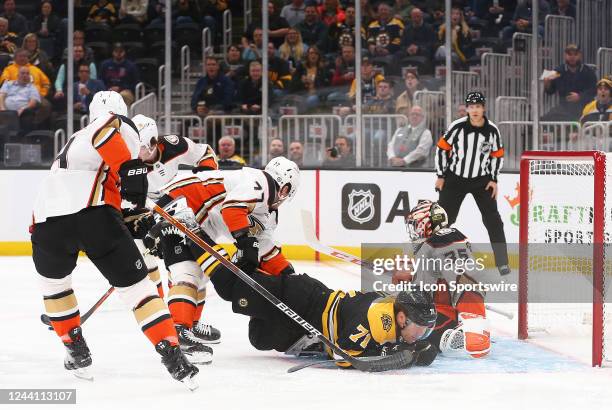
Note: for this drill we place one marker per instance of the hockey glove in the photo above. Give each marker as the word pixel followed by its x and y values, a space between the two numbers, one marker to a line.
pixel 247 256
pixel 424 353
pixel 138 221
pixel 134 184
pixel 201 168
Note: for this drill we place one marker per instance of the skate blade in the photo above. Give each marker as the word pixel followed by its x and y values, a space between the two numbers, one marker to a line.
pixel 209 342
pixel 190 383
pixel 82 374
pixel 199 358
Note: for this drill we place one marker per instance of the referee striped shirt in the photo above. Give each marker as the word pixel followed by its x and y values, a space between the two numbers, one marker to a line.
pixel 469 151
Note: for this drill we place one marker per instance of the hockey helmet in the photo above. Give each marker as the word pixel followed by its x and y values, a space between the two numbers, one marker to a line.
pixel 147 128
pixel 286 174
pixel 419 308
pixel 426 218
pixel 475 98
pixel 104 102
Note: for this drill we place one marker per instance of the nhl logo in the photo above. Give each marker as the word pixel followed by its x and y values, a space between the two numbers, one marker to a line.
pixel 361 206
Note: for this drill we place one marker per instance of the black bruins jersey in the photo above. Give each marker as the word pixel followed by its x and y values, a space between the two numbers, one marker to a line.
pixel 359 323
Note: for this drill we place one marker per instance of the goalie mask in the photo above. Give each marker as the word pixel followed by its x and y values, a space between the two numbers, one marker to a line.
pixel 425 219
pixel 286 174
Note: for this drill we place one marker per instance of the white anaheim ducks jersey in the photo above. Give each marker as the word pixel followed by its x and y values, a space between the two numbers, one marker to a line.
pixel 85 173
pixel 174 151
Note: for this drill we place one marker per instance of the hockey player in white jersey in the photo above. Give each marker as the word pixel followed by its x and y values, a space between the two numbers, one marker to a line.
pixel 239 206
pixel 79 209
pixel 163 155
pixel 461 325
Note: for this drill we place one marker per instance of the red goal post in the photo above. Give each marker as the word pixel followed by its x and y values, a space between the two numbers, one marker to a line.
pixel 550 164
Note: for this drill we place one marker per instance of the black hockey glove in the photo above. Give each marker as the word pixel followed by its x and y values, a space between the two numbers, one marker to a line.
pixel 247 256
pixel 134 184
pixel 162 241
pixel 138 221
pixel 424 353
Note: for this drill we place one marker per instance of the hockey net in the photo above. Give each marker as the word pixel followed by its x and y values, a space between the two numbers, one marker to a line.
pixel 565 258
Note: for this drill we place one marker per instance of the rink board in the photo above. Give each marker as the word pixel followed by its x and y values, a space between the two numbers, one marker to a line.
pixel 349 208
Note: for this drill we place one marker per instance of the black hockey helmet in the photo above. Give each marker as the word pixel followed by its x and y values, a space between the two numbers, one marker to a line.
pixel 475 97
pixel 418 306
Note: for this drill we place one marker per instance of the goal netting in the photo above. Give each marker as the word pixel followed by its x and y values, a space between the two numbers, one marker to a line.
pixel 565 260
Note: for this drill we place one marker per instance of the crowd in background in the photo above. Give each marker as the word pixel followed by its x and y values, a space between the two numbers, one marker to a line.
pixel 311 50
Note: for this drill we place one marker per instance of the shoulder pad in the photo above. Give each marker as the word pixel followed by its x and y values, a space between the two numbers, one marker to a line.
pixel 444 237
pixel 171 147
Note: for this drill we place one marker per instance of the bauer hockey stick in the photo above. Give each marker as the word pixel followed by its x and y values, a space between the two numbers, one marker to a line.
pixel 398 360
pixel 314 243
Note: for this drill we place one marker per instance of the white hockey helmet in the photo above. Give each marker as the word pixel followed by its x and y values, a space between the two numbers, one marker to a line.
pixel 104 102
pixel 147 128
pixel 286 174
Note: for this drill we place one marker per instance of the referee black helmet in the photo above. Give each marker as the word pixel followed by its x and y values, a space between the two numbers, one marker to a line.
pixel 475 98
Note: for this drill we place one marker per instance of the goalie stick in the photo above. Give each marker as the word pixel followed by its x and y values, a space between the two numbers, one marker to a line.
pixel 398 360
pixel 314 243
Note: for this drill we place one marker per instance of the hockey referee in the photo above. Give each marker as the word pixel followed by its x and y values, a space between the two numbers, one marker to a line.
pixel 469 157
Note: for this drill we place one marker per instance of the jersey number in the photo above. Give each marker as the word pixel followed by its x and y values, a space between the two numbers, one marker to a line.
pixel 63 155
pixel 362 333
pixel 457 254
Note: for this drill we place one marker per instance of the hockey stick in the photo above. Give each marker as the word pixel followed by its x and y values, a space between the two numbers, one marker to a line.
pixel 47 321
pixel 396 361
pixel 314 243
pixel 301 366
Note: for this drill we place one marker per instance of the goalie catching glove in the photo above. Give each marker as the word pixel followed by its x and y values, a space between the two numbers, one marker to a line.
pixel 134 183
pixel 471 336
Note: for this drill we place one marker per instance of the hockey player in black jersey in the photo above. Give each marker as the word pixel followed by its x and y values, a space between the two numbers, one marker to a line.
pixel 461 324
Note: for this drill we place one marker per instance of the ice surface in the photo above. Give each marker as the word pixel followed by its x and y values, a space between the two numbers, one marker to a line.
pixel 128 374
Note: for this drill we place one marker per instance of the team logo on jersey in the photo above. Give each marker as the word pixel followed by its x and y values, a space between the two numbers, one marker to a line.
pixel 172 139
pixel 387 321
pixel 361 206
pixel 485 147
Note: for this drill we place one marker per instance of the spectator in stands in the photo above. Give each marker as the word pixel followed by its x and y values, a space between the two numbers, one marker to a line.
pixel 311 76
pixel 47 23
pixel 276 148
pixel 85 88
pixel 564 8
pixel 213 92
pixel 521 21
pixel 8 39
pixel 133 11
pixel 294 12
pixel 331 13
pixel 18 24
pixel 120 74
pixel 385 35
pixel 404 101
pixel 249 90
pixel 340 155
pixel 368 13
pixel 313 31
pixel 411 144
pixel 39 79
pixel 343 34
pixel 419 37
pixel 461 111
pixel 600 109
pixel 383 102
pixel 344 71
pixel 497 15
pixel 296 153
pixel 253 50
pixel 575 84
pixel 227 154
pixel 79 58
pixel 235 68
pixel 279 75
pixel 102 11
pixel 369 79
pixel 78 39
pixel 186 11
pixel 38 57
pixel 293 49
pixel 278 26
pixel 461 41
pixel 20 95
